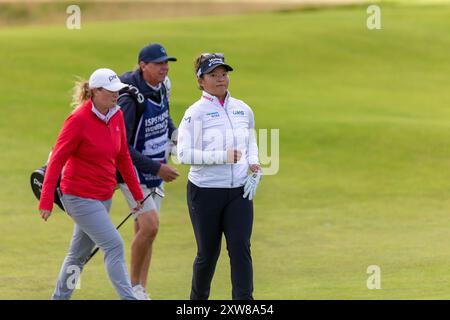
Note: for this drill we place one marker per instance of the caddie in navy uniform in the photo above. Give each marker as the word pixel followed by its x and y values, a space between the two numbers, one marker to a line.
pixel 150 131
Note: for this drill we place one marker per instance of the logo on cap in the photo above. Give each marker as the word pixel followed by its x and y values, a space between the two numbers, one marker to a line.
pixel 111 78
pixel 214 61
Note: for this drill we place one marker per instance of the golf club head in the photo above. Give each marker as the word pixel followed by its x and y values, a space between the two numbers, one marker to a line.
pixel 159 192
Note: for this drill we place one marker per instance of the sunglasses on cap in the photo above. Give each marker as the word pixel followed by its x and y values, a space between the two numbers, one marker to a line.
pixel 206 56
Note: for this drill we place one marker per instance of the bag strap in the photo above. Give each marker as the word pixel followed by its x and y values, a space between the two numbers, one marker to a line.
pixel 139 103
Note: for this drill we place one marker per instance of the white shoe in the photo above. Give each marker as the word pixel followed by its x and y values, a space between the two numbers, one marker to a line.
pixel 145 295
pixel 140 293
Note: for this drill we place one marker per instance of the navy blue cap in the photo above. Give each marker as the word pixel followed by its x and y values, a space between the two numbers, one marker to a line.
pixel 213 61
pixel 154 53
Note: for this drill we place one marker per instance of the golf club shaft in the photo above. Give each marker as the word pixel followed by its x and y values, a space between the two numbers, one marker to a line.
pixel 117 228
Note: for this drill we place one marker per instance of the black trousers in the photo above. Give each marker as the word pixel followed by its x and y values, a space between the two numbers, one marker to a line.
pixel 213 212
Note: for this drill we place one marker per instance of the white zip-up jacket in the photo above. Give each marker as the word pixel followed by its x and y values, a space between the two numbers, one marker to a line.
pixel 207 131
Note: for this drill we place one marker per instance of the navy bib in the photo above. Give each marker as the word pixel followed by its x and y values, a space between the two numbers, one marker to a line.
pixel 152 137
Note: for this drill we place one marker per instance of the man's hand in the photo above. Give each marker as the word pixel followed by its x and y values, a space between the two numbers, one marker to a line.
pixel 167 173
pixel 45 214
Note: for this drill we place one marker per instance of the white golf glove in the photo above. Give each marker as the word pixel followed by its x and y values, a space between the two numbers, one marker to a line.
pixel 251 183
pixel 173 149
pixel 174 137
pixel 173 143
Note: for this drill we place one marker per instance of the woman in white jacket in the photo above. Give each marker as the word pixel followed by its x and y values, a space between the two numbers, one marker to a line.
pixel 216 137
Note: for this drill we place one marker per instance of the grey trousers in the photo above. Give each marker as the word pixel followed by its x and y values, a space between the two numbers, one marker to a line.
pixel 92 227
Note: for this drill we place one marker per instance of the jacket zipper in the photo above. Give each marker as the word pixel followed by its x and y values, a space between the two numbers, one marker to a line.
pixel 232 130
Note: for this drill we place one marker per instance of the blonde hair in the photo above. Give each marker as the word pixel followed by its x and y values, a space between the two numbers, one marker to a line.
pixel 81 93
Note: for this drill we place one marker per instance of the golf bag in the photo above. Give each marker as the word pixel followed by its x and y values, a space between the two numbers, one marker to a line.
pixel 37 180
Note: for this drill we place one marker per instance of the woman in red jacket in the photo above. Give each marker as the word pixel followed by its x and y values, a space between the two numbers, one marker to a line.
pixel 90 146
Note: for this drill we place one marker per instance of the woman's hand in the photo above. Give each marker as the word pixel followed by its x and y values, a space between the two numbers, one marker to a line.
pixel 139 206
pixel 45 214
pixel 233 156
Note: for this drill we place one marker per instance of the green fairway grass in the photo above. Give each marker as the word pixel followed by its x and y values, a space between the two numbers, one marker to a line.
pixel 364 179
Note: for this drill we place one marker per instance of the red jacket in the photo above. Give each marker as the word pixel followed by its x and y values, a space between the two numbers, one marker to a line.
pixel 89 150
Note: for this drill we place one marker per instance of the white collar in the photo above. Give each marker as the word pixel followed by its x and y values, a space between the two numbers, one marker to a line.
pixel 214 99
pixel 108 116
pixel 156 88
